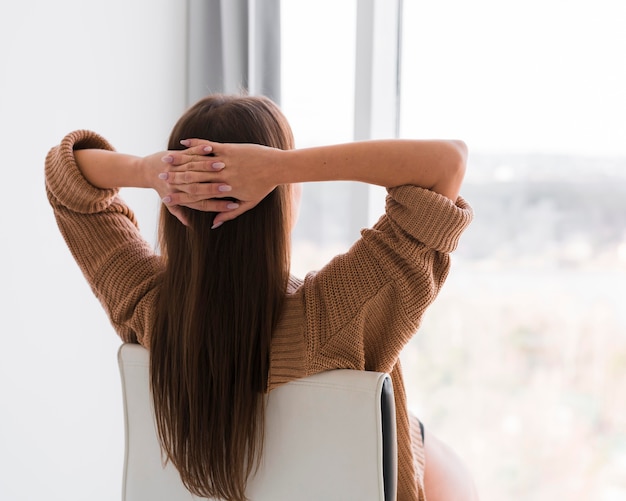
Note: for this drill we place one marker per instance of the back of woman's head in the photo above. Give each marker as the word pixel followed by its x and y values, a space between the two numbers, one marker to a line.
pixel 233 119
pixel 220 299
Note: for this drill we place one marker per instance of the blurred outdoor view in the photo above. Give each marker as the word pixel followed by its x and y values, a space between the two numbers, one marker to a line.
pixel 520 364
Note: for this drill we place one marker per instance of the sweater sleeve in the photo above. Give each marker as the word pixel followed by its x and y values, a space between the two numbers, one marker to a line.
pixel 102 234
pixel 366 304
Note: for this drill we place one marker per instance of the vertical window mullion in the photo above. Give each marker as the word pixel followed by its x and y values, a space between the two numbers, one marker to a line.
pixel 377 91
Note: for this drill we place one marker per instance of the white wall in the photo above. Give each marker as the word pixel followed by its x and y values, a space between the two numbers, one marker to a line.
pixel 116 67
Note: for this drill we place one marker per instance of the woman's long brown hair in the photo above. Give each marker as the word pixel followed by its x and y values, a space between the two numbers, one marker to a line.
pixel 221 297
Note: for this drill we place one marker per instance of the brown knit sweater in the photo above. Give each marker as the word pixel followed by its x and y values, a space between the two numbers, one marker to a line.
pixel 358 312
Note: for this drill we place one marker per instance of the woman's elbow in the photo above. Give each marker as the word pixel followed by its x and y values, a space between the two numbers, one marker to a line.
pixel 452 171
pixel 461 149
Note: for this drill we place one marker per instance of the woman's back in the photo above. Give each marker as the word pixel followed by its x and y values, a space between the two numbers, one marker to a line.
pixel 209 366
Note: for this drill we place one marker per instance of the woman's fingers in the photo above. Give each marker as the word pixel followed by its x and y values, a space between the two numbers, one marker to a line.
pixel 189 177
pixel 193 201
pixel 199 151
pixel 229 215
pixel 179 161
pixel 198 147
pixel 213 205
pixel 194 143
pixel 199 191
pixel 227 209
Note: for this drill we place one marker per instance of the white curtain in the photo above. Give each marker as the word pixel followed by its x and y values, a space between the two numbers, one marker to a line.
pixel 233 46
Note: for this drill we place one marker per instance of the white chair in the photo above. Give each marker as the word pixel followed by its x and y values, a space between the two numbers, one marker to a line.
pixel 328 437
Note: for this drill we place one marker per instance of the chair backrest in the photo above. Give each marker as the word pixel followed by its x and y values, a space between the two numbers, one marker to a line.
pixel 330 436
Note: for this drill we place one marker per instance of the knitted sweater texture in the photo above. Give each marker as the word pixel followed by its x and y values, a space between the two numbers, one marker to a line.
pixel 357 312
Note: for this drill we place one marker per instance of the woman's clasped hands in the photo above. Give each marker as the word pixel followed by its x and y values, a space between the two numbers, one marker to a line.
pixel 217 177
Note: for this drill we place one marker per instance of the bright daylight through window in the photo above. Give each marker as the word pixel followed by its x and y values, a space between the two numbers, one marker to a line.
pixel 521 361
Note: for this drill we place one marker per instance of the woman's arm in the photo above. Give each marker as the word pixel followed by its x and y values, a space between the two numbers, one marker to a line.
pixel 109 169
pixel 436 165
pixel 249 172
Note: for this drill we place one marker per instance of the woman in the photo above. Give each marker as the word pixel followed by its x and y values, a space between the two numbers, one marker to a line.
pixel 222 317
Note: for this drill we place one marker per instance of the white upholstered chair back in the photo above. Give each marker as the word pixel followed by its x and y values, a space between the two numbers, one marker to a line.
pixel 328 437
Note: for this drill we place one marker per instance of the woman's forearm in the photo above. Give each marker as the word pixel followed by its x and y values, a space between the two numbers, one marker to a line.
pixel 108 169
pixel 435 165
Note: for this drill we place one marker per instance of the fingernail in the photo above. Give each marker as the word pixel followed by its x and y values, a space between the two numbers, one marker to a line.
pixel 218 165
pixel 224 187
pixel 208 149
pixel 232 205
pixel 168 159
pixel 163 175
pixel 185 142
pixel 166 200
pixel 216 225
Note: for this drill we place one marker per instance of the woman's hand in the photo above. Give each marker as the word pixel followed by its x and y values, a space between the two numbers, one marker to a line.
pixel 155 168
pixel 206 172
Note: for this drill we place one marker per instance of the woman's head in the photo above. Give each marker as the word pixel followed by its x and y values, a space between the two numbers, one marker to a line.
pixel 220 299
pixel 234 119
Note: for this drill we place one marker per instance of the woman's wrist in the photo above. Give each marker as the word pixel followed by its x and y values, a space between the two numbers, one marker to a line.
pixel 283 167
pixel 149 169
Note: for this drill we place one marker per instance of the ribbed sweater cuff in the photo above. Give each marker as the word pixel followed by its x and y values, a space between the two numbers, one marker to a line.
pixel 431 218
pixel 67 184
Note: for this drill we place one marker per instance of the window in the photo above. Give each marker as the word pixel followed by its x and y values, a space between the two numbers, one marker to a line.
pixel 521 361
pixel 318 66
